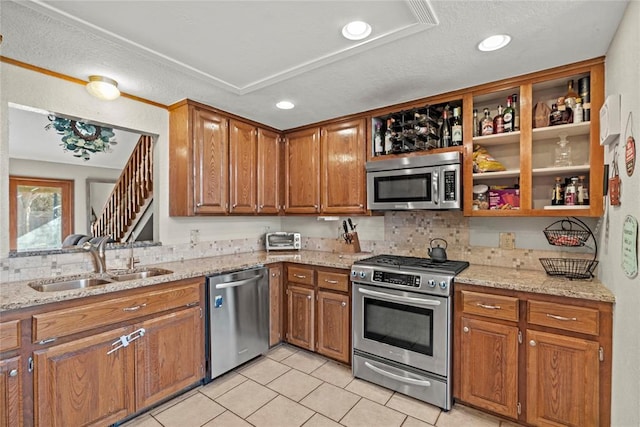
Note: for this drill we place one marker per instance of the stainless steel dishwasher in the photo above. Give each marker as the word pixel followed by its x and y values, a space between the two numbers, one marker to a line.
pixel 238 305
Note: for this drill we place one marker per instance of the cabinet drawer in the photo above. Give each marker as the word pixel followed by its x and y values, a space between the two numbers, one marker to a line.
pixel 300 275
pixel 567 317
pixel 9 335
pixel 335 281
pixel 72 320
pixel 495 306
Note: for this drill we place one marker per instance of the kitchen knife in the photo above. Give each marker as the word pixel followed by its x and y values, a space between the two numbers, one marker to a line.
pixel 353 227
pixel 344 225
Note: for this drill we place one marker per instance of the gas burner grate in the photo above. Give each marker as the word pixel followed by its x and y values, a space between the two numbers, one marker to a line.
pixel 398 261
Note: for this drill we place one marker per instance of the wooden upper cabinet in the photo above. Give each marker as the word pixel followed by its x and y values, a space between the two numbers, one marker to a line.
pixel 198 161
pixel 302 171
pixel 343 167
pixel 269 173
pixel 242 167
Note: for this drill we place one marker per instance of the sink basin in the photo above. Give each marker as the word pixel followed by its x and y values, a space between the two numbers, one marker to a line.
pixel 138 274
pixel 67 285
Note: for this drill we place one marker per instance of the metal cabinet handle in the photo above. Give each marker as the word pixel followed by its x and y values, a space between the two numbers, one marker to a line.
pixel 308 296
pixel 198 204
pixel 465 329
pixel 565 319
pixel 333 282
pixel 13 372
pixel 134 308
pixel 488 307
pixel 532 343
pixel 299 276
pixel 261 207
pixel 344 304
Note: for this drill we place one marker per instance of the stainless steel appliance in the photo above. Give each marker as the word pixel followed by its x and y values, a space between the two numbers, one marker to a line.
pixel 402 319
pixel 238 322
pixel 282 241
pixel 431 181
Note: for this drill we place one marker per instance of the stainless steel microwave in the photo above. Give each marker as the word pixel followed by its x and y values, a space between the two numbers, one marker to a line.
pixel 432 181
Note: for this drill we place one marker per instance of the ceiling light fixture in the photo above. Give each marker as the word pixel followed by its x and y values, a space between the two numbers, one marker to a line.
pixel 285 105
pixel 103 88
pixel 494 42
pixel 356 30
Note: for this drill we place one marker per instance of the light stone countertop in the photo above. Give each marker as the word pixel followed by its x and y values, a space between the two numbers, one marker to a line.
pixel 16 295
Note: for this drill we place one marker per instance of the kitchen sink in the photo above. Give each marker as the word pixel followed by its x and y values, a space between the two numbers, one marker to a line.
pixel 124 275
pixel 67 285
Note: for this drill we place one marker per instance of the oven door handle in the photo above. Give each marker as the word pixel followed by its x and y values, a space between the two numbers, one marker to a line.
pixel 410 300
pixel 412 381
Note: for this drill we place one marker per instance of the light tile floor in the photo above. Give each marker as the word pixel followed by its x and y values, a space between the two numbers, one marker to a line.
pixel 291 387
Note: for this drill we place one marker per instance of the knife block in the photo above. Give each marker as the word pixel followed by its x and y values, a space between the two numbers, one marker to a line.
pixel 354 246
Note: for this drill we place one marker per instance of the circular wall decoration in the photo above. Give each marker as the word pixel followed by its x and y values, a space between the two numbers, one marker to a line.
pixel 82 138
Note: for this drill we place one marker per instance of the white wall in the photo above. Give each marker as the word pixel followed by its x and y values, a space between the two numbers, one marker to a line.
pixel 623 77
pixel 78 174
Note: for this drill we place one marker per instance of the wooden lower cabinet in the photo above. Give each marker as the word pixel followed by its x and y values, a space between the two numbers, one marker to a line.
pixel 11 392
pixel 562 380
pixel 275 305
pixel 300 316
pixel 538 359
pixel 489 360
pixel 334 333
pixel 79 383
pixel 169 356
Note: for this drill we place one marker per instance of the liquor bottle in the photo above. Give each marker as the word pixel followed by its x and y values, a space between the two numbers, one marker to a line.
pixel 507 116
pixel 557 193
pixel 516 112
pixel 445 129
pixel 456 128
pixel 566 113
pixel 555 117
pixel 563 151
pixel 476 124
pixel 583 191
pixel 578 112
pixel 487 123
pixel 388 143
pixel 570 97
pixel 498 121
pixel 570 192
pixel 584 90
pixel 377 140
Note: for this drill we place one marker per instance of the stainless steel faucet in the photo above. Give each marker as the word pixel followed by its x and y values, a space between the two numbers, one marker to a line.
pixel 132 260
pixel 96 248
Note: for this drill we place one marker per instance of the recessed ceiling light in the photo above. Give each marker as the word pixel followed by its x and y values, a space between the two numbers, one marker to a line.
pixel 285 105
pixel 356 30
pixel 494 42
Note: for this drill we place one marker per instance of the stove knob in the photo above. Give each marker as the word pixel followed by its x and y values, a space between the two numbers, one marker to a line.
pixel 443 285
pixel 362 274
pixel 432 283
pixel 354 274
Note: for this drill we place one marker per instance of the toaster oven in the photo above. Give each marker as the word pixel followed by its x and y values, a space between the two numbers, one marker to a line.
pixel 282 241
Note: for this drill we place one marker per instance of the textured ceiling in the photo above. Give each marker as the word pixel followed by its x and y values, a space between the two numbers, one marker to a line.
pixel 244 56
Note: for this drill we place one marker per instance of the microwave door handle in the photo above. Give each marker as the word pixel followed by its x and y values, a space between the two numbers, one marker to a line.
pixel 434 187
pixel 413 381
pixel 398 298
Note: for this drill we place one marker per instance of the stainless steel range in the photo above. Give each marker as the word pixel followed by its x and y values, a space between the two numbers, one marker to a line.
pixel 402 319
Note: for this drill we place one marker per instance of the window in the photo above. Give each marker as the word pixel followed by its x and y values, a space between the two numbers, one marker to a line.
pixel 40 212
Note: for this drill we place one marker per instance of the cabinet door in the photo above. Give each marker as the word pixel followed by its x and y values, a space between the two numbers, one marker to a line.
pixel 275 305
pixel 333 326
pixel 170 355
pixel 242 167
pixel 343 168
pixel 78 383
pixel 269 173
pixel 562 380
pixel 489 366
pixel 10 393
pixel 303 172
pixel 300 317
pixel 210 145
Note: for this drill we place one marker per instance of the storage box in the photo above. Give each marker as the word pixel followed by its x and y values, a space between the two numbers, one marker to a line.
pixel 506 199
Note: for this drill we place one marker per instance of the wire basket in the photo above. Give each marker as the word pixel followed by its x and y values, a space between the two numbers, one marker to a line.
pixel 572 268
pixel 567 234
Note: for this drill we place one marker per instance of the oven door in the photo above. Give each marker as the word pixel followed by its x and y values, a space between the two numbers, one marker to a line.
pixel 401 189
pixel 406 327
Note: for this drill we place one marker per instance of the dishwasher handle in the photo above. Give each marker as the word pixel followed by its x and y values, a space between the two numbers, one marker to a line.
pixel 239 282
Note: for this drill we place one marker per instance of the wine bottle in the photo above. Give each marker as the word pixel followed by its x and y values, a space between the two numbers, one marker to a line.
pixel 498 121
pixel 476 124
pixel 456 128
pixel 377 140
pixel 388 143
pixel 516 112
pixel 445 129
pixel 507 116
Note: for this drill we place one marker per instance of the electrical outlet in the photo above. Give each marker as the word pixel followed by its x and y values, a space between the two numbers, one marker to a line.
pixel 507 241
pixel 194 237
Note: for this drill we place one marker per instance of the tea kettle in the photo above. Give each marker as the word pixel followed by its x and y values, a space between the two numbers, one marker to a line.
pixel 438 253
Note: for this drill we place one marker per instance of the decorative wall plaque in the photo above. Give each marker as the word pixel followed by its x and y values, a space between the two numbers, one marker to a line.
pixel 630 246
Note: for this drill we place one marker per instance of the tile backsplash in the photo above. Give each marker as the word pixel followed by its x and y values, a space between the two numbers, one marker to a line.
pixel 405 233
